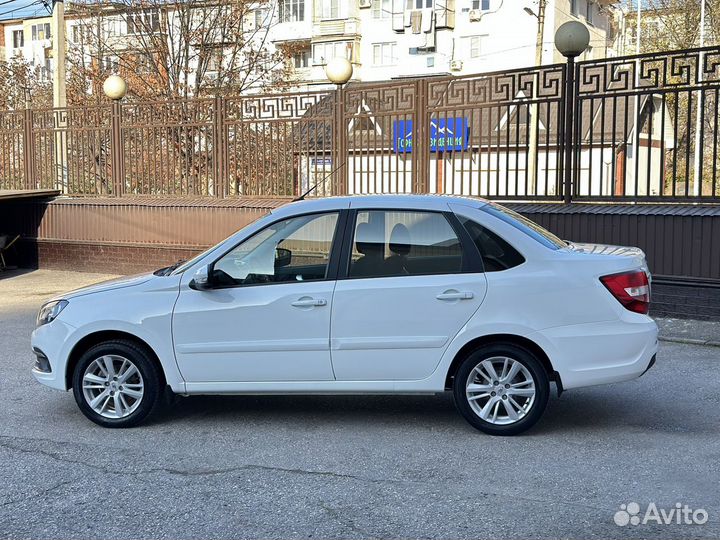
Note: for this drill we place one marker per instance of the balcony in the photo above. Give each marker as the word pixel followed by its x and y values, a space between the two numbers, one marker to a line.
pixel 336 27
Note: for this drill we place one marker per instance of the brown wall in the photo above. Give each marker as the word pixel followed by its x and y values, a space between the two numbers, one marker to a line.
pixel 122 236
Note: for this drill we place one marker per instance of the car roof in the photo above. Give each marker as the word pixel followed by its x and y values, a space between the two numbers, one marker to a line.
pixel 401 201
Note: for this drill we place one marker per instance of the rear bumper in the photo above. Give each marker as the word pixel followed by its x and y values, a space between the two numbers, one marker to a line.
pixel 600 353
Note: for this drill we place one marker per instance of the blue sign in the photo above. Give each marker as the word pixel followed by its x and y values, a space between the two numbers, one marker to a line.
pixel 446 135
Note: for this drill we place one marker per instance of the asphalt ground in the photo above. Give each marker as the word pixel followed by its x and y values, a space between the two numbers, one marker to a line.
pixel 353 466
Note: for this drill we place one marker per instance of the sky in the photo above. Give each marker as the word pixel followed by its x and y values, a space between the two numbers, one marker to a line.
pixel 13 9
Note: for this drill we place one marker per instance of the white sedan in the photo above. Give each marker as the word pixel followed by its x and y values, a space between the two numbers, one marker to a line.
pixel 356 295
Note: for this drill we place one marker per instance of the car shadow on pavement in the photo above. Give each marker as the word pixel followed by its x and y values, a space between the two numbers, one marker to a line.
pixel 576 411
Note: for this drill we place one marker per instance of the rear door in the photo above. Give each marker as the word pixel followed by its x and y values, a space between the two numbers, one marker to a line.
pixel 409 281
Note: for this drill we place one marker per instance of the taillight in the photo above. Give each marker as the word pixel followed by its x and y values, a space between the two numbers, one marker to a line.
pixel 631 289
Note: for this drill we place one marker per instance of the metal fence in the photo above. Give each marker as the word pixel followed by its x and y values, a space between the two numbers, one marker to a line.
pixel 631 128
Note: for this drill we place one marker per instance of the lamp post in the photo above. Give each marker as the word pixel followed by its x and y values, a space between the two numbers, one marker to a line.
pixel 531 166
pixel 339 71
pixel 115 88
pixel 571 39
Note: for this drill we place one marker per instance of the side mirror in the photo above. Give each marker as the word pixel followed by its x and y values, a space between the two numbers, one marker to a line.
pixel 202 280
pixel 283 257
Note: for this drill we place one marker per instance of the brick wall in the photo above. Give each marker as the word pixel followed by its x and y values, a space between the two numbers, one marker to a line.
pixel 685 301
pixel 95 257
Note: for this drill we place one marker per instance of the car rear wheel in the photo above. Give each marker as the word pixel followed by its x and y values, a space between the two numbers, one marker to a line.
pixel 501 389
pixel 117 384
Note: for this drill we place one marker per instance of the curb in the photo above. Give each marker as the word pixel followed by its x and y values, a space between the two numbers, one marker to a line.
pixel 690 341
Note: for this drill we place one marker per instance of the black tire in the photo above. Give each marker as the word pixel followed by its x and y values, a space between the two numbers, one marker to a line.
pixel 534 368
pixel 152 379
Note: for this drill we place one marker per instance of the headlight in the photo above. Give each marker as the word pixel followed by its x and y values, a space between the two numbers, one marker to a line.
pixel 50 311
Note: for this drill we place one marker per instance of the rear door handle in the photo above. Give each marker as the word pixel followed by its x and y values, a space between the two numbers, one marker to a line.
pixel 455 295
pixel 309 302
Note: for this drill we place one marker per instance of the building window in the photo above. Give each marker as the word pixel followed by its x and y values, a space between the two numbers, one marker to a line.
pixel 473 46
pixel 41 31
pixel 292 10
pixel 146 21
pixel 18 38
pixel 418 4
pixel 113 27
pixel 301 59
pixel 385 54
pixel 574 7
pixel 329 9
pixel 589 12
pixel 484 5
pixel 322 52
pixel 261 16
pixel 111 64
pixel 381 9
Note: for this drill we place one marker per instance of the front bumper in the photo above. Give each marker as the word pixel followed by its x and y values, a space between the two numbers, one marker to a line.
pixel 50 341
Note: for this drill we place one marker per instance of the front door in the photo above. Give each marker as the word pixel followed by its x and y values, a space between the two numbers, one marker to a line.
pixel 410 288
pixel 268 319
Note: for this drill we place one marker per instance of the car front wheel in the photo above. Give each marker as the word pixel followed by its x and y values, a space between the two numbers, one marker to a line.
pixel 501 389
pixel 117 384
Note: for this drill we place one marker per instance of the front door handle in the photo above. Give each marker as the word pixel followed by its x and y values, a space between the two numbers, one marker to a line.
pixel 455 295
pixel 309 302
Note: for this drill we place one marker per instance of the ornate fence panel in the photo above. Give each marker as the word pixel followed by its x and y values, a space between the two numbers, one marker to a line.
pixel 646 127
pixel 498 134
pixel 12 150
pixel 641 128
pixel 279 145
pixel 380 122
pixel 169 148
pixel 70 150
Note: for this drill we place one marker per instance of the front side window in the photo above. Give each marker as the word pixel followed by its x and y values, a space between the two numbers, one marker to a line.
pixel 292 250
pixel 404 243
pixel 529 227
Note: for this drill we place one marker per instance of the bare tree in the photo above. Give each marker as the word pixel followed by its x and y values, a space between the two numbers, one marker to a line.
pixel 177 49
pixel 20 84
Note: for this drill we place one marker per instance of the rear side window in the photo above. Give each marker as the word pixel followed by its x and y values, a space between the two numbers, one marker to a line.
pixel 521 223
pixel 404 243
pixel 496 253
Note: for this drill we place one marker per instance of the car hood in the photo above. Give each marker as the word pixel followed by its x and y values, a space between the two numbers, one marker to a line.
pixel 117 283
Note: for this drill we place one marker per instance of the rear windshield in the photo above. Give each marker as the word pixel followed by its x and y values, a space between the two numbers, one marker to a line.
pixel 521 223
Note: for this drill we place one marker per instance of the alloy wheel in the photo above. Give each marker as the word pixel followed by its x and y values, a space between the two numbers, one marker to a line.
pixel 113 386
pixel 500 390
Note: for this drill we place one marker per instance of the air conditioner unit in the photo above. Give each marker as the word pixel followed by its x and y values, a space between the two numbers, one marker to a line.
pixel 475 15
pixel 365 3
pixel 456 65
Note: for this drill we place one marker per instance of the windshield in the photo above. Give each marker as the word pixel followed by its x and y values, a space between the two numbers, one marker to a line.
pixel 529 227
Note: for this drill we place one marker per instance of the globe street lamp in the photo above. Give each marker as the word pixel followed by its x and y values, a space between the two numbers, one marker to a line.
pixel 115 87
pixel 571 39
pixel 339 71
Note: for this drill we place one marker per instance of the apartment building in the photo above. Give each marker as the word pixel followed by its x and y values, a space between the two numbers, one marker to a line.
pixel 31 40
pixel 384 39
pixel 387 39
